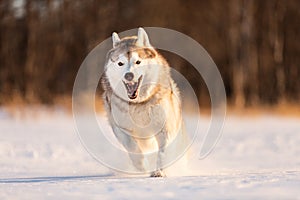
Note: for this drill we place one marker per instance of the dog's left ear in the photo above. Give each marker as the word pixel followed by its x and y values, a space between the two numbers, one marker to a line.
pixel 142 38
pixel 115 39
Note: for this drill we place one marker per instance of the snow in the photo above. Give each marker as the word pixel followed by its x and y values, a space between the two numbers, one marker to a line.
pixel 41 157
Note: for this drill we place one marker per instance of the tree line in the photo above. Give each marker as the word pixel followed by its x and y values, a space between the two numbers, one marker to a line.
pixel 254 43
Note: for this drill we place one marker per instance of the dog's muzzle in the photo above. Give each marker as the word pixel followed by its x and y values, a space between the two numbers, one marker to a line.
pixel 132 88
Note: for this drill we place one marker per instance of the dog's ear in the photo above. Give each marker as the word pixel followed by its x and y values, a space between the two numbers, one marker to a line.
pixel 142 38
pixel 115 39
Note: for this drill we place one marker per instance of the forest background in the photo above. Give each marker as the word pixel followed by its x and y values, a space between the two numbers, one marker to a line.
pixel 254 43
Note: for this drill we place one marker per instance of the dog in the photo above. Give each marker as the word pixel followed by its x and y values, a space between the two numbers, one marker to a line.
pixel 143 103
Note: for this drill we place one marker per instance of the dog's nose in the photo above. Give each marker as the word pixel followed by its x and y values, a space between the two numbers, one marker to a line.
pixel 129 76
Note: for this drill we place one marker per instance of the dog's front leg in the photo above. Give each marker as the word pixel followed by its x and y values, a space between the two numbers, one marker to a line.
pixel 161 142
pixel 130 144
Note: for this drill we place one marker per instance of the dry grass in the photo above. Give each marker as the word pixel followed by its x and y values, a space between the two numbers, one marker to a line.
pixel 17 106
pixel 284 110
pixel 20 108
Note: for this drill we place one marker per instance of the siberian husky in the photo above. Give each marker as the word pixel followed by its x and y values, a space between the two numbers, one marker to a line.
pixel 142 102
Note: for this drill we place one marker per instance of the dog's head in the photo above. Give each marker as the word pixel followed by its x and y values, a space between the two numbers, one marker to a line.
pixel 133 67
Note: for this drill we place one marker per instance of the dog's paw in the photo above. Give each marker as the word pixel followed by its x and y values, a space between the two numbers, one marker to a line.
pixel 157 173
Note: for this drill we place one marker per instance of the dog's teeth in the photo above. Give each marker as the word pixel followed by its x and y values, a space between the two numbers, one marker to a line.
pixel 132 88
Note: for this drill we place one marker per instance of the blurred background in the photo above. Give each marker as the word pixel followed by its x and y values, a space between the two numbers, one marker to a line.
pixel 253 42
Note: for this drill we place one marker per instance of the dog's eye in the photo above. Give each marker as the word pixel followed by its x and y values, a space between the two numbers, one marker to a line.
pixel 120 63
pixel 138 62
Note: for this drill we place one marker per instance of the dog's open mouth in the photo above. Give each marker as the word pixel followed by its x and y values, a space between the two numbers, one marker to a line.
pixel 132 88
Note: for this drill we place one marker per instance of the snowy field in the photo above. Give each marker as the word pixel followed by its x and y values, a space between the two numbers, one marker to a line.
pixel 41 157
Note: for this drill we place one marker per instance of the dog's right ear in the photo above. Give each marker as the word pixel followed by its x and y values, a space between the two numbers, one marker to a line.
pixel 115 39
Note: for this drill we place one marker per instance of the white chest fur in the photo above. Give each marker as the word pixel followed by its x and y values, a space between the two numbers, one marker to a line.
pixel 139 120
